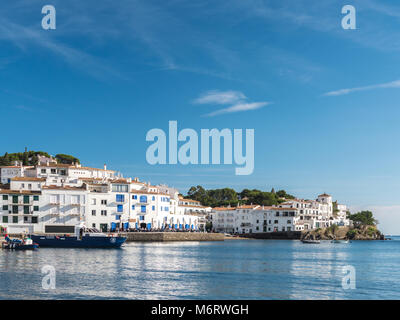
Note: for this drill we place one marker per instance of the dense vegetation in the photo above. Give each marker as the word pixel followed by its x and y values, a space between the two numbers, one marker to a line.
pixel 66 159
pixel 30 158
pixel 363 218
pixel 228 196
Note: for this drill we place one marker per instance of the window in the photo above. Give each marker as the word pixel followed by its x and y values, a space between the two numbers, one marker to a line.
pixel 35 208
pixel 118 217
pixel 53 171
pixel 143 209
pixel 35 198
pixel 25 219
pixel 43 171
pixel 134 197
pixel 153 208
pixel 289 222
pixel 141 218
pixel 15 209
pixel 26 199
pixel 119 188
pixel 276 221
pixel 93 212
pixel 15 219
pixel 5 197
pixel 103 212
pixel 5 219
pixel 153 198
pixel 15 199
pixel 120 208
pixel 93 201
pixel 143 199
pixel 5 207
pixel 133 207
pixel 93 225
pixel 26 209
pixel 120 198
pixel 104 202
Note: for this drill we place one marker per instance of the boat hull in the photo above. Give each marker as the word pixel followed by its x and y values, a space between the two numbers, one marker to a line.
pixel 16 246
pixel 311 241
pixel 74 242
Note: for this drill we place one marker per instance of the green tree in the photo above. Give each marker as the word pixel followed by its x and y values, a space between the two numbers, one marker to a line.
pixel 66 159
pixel 365 218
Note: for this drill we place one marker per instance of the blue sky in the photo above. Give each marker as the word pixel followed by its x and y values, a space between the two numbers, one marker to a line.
pixel 323 101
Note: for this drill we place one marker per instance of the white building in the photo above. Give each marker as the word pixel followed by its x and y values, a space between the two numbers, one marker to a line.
pixel 53 198
pixel 292 215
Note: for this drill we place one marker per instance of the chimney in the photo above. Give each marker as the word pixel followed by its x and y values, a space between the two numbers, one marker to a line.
pixel 105 167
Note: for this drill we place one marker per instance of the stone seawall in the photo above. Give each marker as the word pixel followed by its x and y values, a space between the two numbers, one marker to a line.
pixel 172 236
pixel 280 235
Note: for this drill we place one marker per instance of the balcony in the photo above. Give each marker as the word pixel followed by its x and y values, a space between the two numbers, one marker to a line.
pixel 76 214
pixel 55 214
pixel 23 203
pixel 76 204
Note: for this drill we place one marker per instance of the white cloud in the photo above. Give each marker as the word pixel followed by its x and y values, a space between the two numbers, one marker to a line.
pixel 220 97
pixel 237 100
pixel 393 84
pixel 239 107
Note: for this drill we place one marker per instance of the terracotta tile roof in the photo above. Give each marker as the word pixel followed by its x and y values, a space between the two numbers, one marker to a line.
pixel 28 179
pixel 18 192
pixel 187 205
pixel 53 187
pixel 324 195
pixel 224 208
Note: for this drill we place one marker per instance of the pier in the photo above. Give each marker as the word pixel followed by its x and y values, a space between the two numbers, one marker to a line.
pixel 172 236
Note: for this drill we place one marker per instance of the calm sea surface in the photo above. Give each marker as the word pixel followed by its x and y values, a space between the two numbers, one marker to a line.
pixel 233 269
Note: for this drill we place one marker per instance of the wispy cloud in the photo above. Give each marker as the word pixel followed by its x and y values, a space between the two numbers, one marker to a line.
pixel 393 84
pixel 239 107
pixel 236 99
pixel 23 37
pixel 220 97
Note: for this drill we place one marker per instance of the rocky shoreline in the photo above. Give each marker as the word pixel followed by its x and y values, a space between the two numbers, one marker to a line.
pixel 344 233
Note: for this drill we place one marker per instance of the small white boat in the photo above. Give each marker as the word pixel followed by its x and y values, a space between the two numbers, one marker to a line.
pixel 311 241
pixel 340 241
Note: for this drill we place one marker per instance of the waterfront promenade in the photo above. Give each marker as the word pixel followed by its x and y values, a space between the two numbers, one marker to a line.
pixel 172 236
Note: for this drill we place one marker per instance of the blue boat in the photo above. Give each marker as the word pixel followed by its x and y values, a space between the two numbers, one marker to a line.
pixel 83 238
pixel 17 244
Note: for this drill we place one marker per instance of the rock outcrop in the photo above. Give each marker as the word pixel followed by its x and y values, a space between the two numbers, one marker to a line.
pixel 341 233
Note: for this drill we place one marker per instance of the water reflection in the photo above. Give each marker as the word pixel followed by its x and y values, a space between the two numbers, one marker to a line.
pixel 235 269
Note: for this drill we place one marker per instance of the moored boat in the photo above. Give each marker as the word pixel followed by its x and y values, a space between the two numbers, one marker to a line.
pixel 83 238
pixel 17 244
pixel 310 241
pixel 340 241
